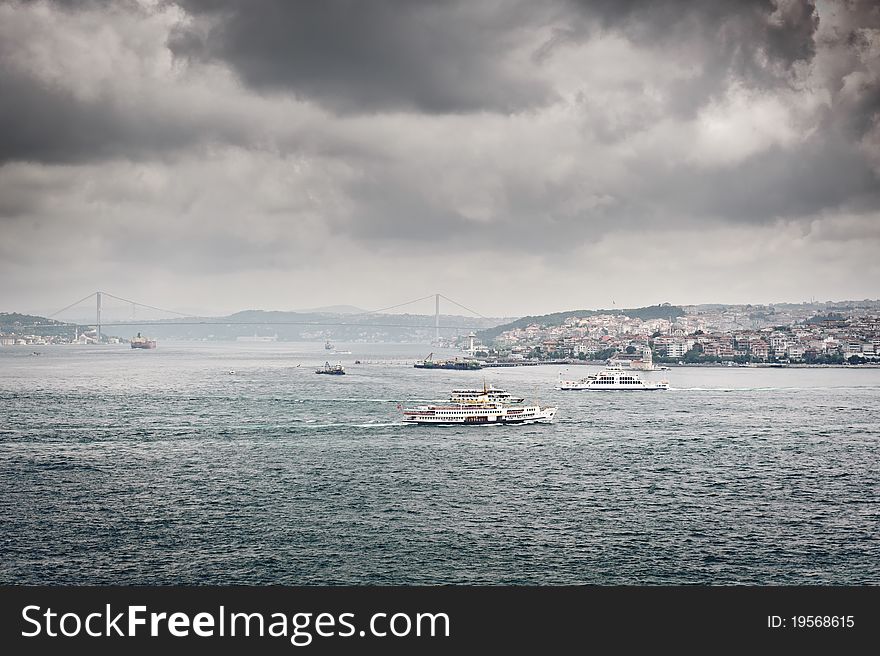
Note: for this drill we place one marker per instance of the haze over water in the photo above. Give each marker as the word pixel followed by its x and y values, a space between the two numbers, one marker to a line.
pixel 139 467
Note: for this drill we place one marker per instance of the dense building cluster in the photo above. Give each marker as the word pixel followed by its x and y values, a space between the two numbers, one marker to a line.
pixel 25 338
pixel 790 333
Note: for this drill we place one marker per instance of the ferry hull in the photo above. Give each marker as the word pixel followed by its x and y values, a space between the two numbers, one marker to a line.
pixel 612 379
pixel 542 416
pixel 501 422
pixel 598 388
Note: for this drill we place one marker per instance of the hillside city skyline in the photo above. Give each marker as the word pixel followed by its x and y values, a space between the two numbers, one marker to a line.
pixel 846 332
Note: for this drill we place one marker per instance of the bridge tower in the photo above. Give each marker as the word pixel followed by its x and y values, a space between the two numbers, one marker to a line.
pixel 437 317
pixel 98 322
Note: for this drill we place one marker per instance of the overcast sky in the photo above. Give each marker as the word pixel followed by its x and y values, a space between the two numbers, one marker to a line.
pixel 519 157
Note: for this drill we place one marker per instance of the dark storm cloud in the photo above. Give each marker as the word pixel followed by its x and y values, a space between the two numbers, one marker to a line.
pixel 46 123
pixel 84 82
pixel 432 57
pixel 737 28
pixel 798 181
pixel 752 41
pixel 44 117
pixel 439 57
pixel 824 173
pixel 196 138
pixel 429 61
pixel 351 56
pixel 852 66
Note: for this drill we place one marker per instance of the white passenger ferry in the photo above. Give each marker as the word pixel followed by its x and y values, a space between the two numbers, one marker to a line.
pixel 611 378
pixel 499 408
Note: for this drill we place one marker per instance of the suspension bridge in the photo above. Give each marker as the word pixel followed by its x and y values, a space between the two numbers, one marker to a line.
pixel 184 319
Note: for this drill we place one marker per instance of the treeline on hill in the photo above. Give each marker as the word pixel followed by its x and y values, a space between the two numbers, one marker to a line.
pixel 310 325
pixel 14 322
pixel 558 318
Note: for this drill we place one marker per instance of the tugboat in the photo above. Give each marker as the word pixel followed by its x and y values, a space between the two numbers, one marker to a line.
pixel 464 364
pixel 332 370
pixel 141 342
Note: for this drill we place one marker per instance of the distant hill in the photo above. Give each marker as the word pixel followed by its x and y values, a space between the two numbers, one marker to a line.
pixel 13 319
pixel 558 318
pixel 334 309
pixel 31 324
pixel 318 325
pixel 301 326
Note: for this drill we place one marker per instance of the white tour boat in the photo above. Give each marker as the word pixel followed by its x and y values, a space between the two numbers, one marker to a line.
pixel 612 378
pixel 494 409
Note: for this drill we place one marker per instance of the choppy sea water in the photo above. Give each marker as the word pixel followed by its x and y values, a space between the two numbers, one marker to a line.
pixel 162 467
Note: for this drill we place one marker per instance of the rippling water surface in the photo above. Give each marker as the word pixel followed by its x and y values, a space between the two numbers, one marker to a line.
pixel 122 466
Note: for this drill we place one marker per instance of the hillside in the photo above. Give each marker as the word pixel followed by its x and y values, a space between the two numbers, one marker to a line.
pixel 14 322
pixel 558 318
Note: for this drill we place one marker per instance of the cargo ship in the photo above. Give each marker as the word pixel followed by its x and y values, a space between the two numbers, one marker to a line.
pixel 429 363
pixel 141 342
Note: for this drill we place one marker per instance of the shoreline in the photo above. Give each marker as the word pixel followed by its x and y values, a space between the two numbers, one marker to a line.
pixel 720 365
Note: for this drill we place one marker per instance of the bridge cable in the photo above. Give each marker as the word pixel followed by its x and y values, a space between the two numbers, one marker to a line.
pixel 215 322
pixel 391 307
pixel 152 307
pixel 463 307
pixel 71 305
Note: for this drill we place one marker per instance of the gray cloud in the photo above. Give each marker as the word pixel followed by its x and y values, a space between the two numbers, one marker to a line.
pixel 63 102
pixel 756 42
pixel 849 64
pixel 440 57
pixel 737 28
pixel 261 140
pixel 45 123
pixel 434 57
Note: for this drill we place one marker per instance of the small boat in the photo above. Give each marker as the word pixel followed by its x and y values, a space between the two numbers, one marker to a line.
pixel 333 370
pixel 328 346
pixel 141 342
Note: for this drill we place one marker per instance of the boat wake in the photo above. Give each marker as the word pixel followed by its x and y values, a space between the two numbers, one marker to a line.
pixel 312 423
pixel 352 400
pixel 732 389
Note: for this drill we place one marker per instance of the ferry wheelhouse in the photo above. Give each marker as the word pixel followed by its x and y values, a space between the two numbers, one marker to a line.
pixel 465 395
